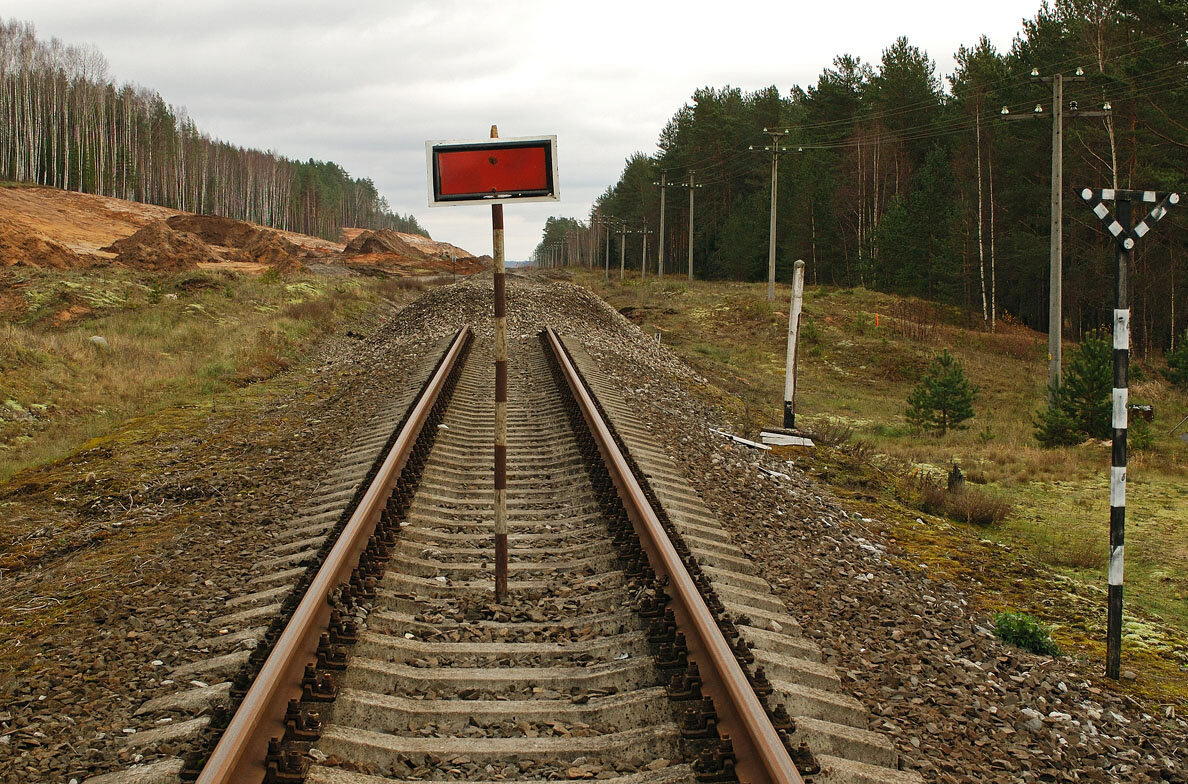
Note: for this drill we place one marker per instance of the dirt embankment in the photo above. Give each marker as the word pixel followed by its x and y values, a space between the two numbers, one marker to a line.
pixel 254 243
pixel 391 250
pixel 158 247
pixel 50 228
pixel 23 247
pixel 187 241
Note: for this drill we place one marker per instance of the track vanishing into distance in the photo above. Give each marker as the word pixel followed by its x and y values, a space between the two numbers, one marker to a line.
pixel 637 646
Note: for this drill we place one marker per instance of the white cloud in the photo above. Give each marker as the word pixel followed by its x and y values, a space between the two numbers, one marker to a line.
pixel 365 83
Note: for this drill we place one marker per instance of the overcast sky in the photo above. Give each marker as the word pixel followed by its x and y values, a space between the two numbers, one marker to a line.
pixel 365 83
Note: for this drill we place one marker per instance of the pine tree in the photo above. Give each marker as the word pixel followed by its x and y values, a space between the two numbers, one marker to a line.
pixel 1177 363
pixel 944 397
pixel 1082 406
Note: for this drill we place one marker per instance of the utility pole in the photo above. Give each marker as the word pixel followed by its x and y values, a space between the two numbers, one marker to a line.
pixel 660 257
pixel 606 222
pixel 691 185
pixel 1056 218
pixel 775 149
pixel 643 256
pixel 622 248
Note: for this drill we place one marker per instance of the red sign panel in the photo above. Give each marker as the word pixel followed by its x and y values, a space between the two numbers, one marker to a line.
pixel 495 171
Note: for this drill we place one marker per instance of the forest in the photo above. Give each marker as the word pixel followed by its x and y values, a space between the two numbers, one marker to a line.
pixel 895 179
pixel 66 124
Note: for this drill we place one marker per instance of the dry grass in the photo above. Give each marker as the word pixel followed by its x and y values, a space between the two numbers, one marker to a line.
pixel 965 505
pixel 831 432
pixel 166 341
pixel 860 355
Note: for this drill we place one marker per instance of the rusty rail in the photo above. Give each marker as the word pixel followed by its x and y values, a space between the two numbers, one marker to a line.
pixel 239 756
pixel 762 757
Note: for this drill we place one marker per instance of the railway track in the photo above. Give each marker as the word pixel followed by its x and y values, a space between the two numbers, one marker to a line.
pixel 638 644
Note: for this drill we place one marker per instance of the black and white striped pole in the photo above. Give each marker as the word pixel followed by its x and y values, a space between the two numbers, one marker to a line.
pixel 1118 225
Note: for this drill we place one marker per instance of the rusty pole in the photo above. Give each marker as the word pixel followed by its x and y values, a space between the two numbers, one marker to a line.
pixel 500 399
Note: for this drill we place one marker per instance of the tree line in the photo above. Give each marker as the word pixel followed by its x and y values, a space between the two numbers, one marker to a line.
pixel 65 123
pixel 897 180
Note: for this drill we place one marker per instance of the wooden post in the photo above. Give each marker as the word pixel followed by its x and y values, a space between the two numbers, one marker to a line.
pixel 793 334
pixel 500 399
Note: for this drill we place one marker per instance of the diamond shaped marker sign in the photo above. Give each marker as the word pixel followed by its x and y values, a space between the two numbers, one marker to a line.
pixel 1096 199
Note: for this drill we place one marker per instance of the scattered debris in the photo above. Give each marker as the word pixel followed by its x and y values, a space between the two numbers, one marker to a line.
pixel 740 439
pixel 784 438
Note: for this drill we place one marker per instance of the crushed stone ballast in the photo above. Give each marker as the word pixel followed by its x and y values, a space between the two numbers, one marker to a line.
pixel 638 645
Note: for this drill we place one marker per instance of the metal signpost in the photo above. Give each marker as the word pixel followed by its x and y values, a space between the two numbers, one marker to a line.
pixel 493 172
pixel 1118 225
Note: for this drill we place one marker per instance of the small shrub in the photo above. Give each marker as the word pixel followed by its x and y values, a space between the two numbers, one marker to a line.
pixel 1055 426
pixel 944 397
pixel 977 507
pixel 809 332
pixel 831 432
pixel 1023 631
pixel 860 450
pixel 1081 407
pixel 270 276
pixel 965 505
pixel 1177 363
pixel 1138 431
pixel 986 434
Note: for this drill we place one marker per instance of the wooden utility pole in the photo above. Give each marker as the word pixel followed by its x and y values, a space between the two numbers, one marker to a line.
pixel 660 253
pixel 643 254
pixel 692 186
pixel 606 265
pixel 775 150
pixel 622 248
pixel 1056 242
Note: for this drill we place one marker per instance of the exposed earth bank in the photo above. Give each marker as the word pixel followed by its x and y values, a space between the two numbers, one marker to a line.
pixel 50 228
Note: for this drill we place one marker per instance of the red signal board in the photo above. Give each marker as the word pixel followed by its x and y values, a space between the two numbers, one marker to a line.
pixel 492 171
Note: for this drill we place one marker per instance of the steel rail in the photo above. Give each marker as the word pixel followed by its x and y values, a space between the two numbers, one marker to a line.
pixel 761 756
pixel 239 756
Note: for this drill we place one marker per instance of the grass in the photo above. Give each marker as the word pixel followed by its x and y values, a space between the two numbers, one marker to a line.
pixel 165 341
pixel 860 354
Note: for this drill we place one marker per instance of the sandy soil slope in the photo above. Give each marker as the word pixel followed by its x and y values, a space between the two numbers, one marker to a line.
pixel 51 228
